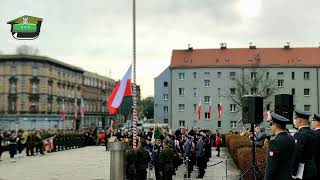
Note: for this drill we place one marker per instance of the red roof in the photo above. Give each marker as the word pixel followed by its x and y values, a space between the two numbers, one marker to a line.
pixel 245 57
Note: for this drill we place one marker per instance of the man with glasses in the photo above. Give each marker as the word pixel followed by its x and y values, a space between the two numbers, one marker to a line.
pixel 305 140
pixel 281 150
pixel 315 124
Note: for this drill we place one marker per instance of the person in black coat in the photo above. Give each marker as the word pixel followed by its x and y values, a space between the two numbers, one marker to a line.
pixel 280 152
pixel 1 142
pixel 316 126
pixel 305 140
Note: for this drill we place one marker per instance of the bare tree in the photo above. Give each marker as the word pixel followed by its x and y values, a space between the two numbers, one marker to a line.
pixel 27 50
pixel 258 82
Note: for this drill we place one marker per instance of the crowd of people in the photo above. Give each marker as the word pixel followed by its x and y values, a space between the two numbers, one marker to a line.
pixel 166 151
pixel 39 142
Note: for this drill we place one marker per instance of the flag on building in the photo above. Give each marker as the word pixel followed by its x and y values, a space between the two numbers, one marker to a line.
pixel 75 108
pixel 63 111
pixel 210 109
pixel 123 88
pixel 82 108
pixel 219 111
pixel 199 110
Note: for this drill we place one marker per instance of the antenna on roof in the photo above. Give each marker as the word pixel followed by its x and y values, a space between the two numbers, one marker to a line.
pixel 190 48
pixel 223 45
pixel 251 46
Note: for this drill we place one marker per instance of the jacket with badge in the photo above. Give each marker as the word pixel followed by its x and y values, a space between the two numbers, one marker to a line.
pixel 280 155
pixel 305 140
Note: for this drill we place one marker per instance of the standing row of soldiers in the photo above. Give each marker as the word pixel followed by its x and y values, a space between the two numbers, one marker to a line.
pixel 167 153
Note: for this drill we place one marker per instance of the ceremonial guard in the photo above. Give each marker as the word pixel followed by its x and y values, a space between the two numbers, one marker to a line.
pixel 316 126
pixel 281 150
pixel 305 140
pixel 166 161
pixel 142 161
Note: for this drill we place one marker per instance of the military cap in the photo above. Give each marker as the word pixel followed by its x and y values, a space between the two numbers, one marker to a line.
pixel 302 114
pixel 316 117
pixel 279 119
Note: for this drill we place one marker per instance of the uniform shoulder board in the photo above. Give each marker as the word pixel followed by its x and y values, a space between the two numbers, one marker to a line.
pixel 273 138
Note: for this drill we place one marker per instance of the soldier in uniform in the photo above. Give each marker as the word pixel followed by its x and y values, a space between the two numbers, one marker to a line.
pixel 305 140
pixel 1 142
pixel 200 155
pixel 142 160
pixel 281 150
pixel 316 126
pixel 130 164
pixel 29 144
pixel 166 157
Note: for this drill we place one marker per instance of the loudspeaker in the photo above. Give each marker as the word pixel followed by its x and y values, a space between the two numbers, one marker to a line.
pixel 252 109
pixel 284 106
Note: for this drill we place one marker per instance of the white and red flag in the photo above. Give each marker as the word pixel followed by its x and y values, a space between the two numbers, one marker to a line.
pixel 220 110
pixel 63 111
pixel 199 110
pixel 123 88
pixel 267 116
pixel 75 108
pixel 48 143
pixel 82 108
pixel 210 109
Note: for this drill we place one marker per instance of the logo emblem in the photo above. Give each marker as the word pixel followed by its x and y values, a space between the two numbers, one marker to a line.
pixel 25 27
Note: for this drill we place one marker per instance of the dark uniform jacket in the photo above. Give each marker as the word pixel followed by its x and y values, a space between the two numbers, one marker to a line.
pixel 317 154
pixel 280 157
pixel 305 140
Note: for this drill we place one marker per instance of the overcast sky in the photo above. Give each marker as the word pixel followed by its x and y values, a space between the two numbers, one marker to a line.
pixel 97 34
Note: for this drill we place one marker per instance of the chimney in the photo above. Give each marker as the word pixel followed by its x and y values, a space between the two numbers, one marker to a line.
pixel 287 46
pixel 190 48
pixel 223 46
pixel 252 46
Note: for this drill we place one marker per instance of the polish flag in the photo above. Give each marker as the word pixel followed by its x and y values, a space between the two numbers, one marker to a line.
pixel 267 116
pixel 199 110
pixel 210 109
pixel 123 88
pixel 219 111
pixel 82 108
pixel 75 108
pixel 63 111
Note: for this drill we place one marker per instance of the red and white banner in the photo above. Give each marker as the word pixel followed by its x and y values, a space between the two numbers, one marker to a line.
pixel 82 110
pixel 210 109
pixel 267 116
pixel 219 111
pixel 63 111
pixel 48 143
pixel 123 88
pixel 199 110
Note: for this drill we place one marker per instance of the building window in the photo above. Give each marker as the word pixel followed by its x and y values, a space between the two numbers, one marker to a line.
pixel 233 124
pixel 181 76
pixel 165 109
pixel 232 91
pixel 232 75
pixel 194 107
pixel 49 106
pixel 253 75
pixel 280 74
pixel 207 99
pixel 194 75
pixel 165 84
pixel 34 71
pixel 13 70
pixel 12 105
pixel 306 75
pixel 195 91
pixel 165 96
pixel 233 107
pixel 181 107
pixel 50 88
pixel 219 91
pixel 181 91
pixel 268 107
pixel 293 91
pixel 280 82
pixel 307 107
pixel 268 91
pixel 207 73
pixel 306 92
pixel 219 124
pixel 165 121
pixel 33 106
pixel 206 83
pixel 268 75
pixel 253 90
pixel 207 115
pixel 34 88
pixel 13 87
pixel 292 75
pixel 219 74
pixel 182 123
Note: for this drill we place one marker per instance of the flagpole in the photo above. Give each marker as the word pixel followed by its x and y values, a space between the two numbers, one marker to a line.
pixel 134 94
